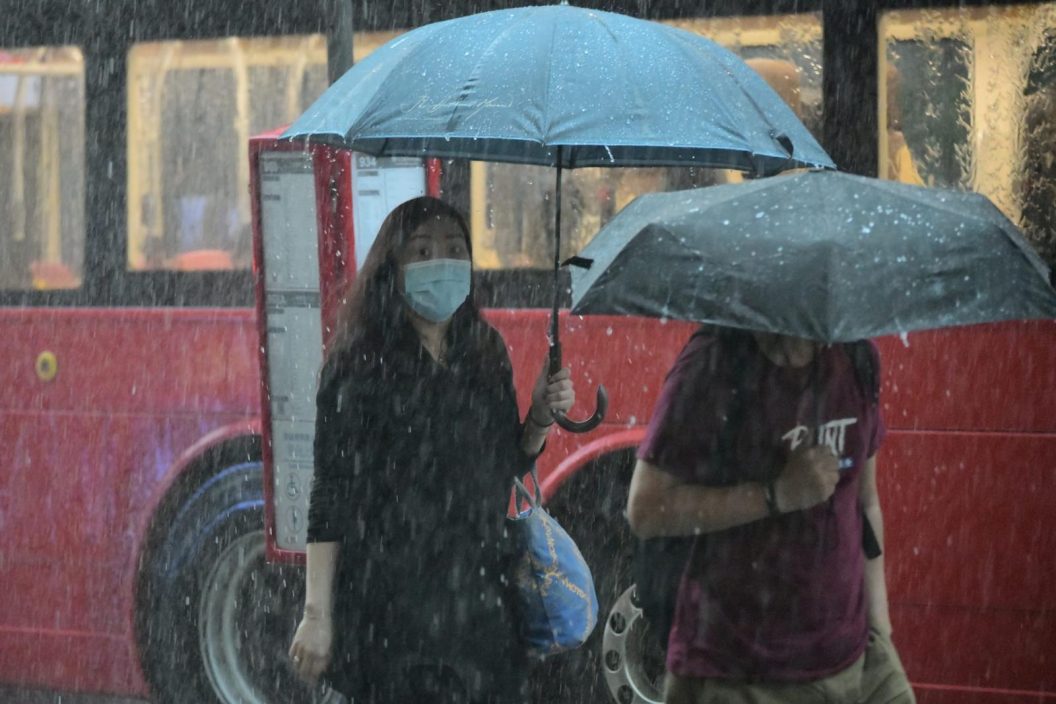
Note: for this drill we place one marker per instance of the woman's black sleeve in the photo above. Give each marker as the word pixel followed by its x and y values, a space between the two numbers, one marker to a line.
pixel 521 461
pixel 342 447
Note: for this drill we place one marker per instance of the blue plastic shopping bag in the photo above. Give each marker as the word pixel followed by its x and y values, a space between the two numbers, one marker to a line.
pixel 558 603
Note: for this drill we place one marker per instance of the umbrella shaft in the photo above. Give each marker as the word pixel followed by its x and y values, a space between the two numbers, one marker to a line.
pixel 555 343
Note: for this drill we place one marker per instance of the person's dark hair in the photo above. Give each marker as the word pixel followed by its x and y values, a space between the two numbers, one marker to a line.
pixel 372 313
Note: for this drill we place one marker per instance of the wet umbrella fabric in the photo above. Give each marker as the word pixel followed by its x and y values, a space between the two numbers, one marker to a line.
pixel 822 255
pixel 561 86
pixel 566 87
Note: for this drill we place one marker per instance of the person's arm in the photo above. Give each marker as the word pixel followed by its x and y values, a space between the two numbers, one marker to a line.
pixel 551 393
pixel 319 578
pixel 534 436
pixel 662 505
pixel 312 643
pixel 342 429
pixel 875 581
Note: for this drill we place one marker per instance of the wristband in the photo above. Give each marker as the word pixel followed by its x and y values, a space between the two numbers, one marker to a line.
pixel 771 499
pixel 537 423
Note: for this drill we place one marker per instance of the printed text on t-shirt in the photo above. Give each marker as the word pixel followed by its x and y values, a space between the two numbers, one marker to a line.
pixel 833 434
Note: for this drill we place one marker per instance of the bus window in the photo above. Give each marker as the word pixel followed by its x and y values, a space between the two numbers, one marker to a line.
pixel 969 102
pixel 936 75
pixel 512 214
pixel 1037 188
pixel 41 168
pixel 192 106
pixel 785 49
pixel 515 228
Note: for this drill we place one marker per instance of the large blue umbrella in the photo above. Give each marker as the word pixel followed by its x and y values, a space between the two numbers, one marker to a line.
pixel 561 86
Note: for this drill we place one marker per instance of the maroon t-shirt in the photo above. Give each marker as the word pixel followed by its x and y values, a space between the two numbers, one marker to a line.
pixel 781 598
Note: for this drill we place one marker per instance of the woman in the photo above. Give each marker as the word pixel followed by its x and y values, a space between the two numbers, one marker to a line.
pixel 418 438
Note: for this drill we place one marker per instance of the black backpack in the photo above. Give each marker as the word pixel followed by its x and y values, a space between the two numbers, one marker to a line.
pixel 660 562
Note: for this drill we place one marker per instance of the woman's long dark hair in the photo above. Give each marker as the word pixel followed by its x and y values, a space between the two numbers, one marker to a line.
pixel 372 316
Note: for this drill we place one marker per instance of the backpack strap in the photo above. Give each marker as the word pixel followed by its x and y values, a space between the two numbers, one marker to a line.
pixel 736 346
pixel 868 376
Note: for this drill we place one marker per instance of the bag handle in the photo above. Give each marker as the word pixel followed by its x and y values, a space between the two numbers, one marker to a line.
pixel 535 500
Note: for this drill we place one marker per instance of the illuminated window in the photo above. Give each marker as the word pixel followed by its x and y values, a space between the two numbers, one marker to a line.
pixel 512 214
pixel 192 106
pixel 968 96
pixel 41 168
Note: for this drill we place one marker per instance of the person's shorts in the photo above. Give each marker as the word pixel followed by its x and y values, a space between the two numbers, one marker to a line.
pixel 875 678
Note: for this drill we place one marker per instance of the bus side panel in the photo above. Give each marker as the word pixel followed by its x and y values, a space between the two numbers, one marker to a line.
pixel 970 535
pixel 968 478
pixel 976 378
pixel 84 454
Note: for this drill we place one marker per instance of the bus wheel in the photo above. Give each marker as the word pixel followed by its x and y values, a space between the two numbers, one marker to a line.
pixel 215 620
pixel 633 660
pixel 621 662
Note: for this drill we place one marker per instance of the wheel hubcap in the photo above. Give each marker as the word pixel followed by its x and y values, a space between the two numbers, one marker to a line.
pixel 633 660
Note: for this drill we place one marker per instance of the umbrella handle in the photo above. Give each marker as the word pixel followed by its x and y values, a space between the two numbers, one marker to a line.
pixel 585 426
pixel 600 407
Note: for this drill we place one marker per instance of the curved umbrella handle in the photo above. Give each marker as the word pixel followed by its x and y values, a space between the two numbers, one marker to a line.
pixel 601 402
pixel 585 426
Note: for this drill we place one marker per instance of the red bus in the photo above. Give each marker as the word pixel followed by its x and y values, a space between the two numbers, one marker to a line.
pixel 132 505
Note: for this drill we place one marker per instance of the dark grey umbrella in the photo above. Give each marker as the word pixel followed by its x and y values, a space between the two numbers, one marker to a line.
pixel 821 255
pixel 561 86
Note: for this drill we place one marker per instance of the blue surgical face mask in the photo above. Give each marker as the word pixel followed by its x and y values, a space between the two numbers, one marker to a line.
pixel 435 289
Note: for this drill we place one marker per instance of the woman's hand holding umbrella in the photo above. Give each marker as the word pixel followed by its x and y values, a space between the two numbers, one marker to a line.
pixel 552 394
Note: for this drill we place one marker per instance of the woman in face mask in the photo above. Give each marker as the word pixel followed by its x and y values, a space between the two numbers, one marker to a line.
pixel 418 437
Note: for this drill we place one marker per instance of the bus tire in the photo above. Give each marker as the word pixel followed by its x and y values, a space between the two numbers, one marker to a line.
pixel 215 620
pixel 622 661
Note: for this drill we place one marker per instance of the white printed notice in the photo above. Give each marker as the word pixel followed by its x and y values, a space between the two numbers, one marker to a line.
pixel 294 332
pixel 381 183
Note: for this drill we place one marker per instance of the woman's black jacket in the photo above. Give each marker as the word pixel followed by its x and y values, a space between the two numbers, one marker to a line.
pixel 413 467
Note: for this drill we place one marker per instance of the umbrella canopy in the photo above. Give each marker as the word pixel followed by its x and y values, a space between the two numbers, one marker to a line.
pixel 821 255
pixel 561 86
